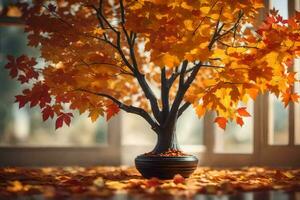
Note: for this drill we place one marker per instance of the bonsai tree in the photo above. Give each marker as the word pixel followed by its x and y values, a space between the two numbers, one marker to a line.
pixel 155 58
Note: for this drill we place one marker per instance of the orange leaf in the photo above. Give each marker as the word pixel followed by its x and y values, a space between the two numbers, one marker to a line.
pixel 221 121
pixel 200 110
pixel 243 112
pixel 239 121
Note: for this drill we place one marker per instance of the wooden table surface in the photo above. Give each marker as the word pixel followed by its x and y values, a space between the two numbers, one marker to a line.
pixel 126 183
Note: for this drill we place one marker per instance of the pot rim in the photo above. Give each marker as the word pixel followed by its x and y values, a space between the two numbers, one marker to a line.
pixel 145 157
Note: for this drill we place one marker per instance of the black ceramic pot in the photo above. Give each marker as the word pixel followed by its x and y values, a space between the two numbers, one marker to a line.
pixel 164 167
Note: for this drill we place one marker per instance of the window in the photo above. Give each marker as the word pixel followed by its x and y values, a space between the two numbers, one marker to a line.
pixel 236 139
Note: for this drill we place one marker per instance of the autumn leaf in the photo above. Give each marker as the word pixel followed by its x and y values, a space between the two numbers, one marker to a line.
pixel 112 110
pixel 94 114
pixel 131 60
pixel 221 121
pixel 153 182
pixel 98 31
pixel 12 66
pixel 243 112
pixel 63 118
pixel 239 121
pixel 200 110
pixel 22 68
pixel 48 112
pixel 38 95
pixel 178 179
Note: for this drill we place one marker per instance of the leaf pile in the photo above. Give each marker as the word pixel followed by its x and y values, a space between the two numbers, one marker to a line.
pixel 105 182
pixel 168 153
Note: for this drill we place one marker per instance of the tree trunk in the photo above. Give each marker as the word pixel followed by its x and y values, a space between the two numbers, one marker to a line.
pixel 166 138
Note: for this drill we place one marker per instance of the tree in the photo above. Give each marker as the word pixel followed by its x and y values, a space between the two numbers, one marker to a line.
pixel 102 56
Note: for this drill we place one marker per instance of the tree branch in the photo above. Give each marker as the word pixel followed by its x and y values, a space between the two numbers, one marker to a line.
pixel 130 109
pixel 165 89
pixel 183 108
pixel 140 77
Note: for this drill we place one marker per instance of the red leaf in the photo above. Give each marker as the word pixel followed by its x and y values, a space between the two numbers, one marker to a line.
pixel 221 121
pixel 239 121
pixel 112 110
pixel 22 100
pixel 12 66
pixel 243 112
pixel 59 122
pixel 67 118
pixel 22 67
pixel 153 182
pixel 178 179
pixel 63 118
pixel 48 112
pixel 289 62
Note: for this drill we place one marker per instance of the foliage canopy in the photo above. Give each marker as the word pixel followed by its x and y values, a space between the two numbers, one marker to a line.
pixel 102 56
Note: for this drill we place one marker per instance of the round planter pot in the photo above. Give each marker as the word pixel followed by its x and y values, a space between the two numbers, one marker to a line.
pixel 164 167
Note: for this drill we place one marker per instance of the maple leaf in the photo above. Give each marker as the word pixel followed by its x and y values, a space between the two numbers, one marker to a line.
pixel 200 110
pixel 178 179
pixel 95 113
pixel 239 121
pixel 170 34
pixel 63 118
pixel 12 66
pixel 289 63
pixel 221 121
pixel 22 100
pixel 48 111
pixel 112 110
pixel 153 182
pixel 243 112
pixel 288 97
pixel 98 31
pixel 22 67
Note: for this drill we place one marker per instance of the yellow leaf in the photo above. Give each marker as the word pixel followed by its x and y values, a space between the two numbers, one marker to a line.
pixel 188 24
pixel 210 82
pixel 167 60
pixel 205 10
pixel 98 31
pixel 94 114
pixel 231 50
pixel 288 174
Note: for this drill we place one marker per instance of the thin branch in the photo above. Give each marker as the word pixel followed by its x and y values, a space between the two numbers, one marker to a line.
pixel 183 108
pixel 234 27
pixel 130 109
pixel 237 46
pixel 122 12
pixel 205 17
pixel 140 77
pixel 104 18
pixel 217 30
